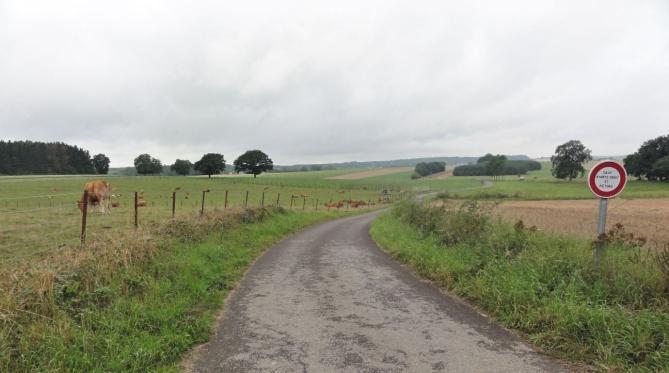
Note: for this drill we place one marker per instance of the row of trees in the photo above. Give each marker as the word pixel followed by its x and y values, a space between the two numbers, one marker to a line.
pixel 428 168
pixel 34 157
pixel 497 165
pixel 252 162
pixel 651 160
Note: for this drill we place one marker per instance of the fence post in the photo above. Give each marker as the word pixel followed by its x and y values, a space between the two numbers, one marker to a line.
pixel 278 195
pixel 135 210
pixel 202 209
pixel 291 201
pixel 316 204
pixel 262 200
pixel 246 200
pixel 330 204
pixel 84 213
pixel 174 203
pixel 226 200
pixel 304 202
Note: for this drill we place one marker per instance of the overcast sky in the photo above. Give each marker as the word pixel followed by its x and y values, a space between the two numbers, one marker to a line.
pixel 322 81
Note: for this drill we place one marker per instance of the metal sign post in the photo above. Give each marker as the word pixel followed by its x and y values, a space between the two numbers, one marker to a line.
pixel 606 180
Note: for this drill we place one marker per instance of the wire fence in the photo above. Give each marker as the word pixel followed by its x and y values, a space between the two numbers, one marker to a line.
pixel 38 224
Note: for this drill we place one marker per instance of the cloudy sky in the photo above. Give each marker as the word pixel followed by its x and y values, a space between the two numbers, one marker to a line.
pixel 320 81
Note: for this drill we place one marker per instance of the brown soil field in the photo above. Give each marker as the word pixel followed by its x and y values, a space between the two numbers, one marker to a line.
pixel 441 175
pixel 371 173
pixel 647 218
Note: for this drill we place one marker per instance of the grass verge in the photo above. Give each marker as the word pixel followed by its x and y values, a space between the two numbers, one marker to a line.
pixel 137 303
pixel 614 317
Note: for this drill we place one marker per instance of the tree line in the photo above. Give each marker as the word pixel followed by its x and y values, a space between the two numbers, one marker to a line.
pixel 423 169
pixel 253 162
pixel 41 158
pixel 495 166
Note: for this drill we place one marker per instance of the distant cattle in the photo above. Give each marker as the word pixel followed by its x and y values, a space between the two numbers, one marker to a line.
pixel 98 195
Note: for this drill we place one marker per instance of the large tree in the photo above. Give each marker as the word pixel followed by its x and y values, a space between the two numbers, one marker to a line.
pixel 495 165
pixel 181 167
pixel 210 164
pixel 569 158
pixel 147 165
pixel 101 164
pixel 642 163
pixel 253 162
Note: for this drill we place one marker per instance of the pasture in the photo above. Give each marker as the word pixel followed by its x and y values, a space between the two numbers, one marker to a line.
pixel 39 213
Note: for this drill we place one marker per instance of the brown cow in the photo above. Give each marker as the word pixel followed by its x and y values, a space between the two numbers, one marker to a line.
pixel 98 194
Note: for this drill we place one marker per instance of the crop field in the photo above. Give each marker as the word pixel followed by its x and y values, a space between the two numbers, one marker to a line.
pixel 39 214
pixel 371 173
pixel 647 218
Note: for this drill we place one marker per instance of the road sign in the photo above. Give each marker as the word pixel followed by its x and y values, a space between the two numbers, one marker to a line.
pixel 607 179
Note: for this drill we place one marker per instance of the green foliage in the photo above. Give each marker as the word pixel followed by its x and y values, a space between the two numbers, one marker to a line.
pixel 147 165
pixel 496 165
pixel 429 168
pixel 254 162
pixel 569 158
pixel 182 167
pixel 210 164
pixel 615 317
pixel 30 157
pixel 660 169
pixel 101 164
pixel 642 163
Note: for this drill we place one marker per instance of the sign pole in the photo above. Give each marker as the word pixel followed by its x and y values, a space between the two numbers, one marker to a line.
pixel 601 230
pixel 606 180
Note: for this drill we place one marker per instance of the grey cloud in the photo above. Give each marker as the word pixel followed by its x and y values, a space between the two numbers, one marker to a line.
pixel 334 81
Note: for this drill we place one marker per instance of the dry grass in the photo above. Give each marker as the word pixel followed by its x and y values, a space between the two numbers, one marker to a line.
pixel 644 217
pixel 371 173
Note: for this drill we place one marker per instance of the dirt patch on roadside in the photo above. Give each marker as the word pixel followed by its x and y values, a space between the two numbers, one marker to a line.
pixel 371 173
pixel 645 217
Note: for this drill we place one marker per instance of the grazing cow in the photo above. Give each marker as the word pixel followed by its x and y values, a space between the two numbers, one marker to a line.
pixel 98 195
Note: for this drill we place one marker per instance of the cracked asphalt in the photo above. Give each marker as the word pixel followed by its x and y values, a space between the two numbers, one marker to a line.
pixel 328 299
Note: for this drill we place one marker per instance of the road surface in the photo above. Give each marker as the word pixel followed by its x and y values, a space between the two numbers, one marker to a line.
pixel 328 299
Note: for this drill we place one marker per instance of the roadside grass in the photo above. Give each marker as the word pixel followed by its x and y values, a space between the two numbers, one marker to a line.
pixel 615 317
pixel 139 302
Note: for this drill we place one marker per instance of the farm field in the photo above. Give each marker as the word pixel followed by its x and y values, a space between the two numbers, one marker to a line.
pixel 39 214
pixel 371 173
pixel 647 218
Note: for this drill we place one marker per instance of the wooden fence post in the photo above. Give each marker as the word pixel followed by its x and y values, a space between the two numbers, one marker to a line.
pixel 226 200
pixel 136 210
pixel 304 202
pixel 262 200
pixel 246 200
pixel 84 213
pixel 278 195
pixel 316 204
pixel 291 201
pixel 174 203
pixel 202 209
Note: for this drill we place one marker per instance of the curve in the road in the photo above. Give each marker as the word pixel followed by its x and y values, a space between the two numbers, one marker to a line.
pixel 328 299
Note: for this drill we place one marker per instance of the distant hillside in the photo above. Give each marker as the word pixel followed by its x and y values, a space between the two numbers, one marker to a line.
pixel 410 162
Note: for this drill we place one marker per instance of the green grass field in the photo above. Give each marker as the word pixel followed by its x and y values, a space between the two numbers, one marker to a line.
pixel 39 214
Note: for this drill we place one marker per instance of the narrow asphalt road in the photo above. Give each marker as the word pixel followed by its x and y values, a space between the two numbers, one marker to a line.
pixel 328 299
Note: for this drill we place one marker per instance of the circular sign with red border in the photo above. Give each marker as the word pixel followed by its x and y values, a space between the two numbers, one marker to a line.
pixel 607 179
